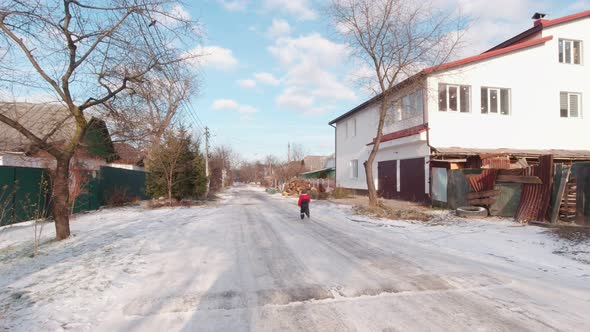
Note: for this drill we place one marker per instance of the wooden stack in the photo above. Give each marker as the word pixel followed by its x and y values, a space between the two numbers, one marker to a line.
pixel 567 208
pixel 295 187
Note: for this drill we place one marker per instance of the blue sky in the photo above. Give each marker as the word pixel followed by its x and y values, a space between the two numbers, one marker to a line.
pixel 274 71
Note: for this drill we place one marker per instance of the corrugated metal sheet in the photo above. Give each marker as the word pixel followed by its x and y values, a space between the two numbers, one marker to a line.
pixel 558 154
pixel 499 162
pixel 534 200
pixel 484 181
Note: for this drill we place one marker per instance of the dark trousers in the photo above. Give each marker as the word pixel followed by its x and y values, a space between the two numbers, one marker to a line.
pixel 304 209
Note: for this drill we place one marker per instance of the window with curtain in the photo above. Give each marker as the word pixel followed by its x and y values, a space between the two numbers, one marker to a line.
pixel 570 51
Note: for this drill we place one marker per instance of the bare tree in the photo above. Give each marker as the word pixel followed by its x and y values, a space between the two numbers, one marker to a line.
pixel 396 39
pixel 297 152
pixel 222 163
pixel 86 54
pixel 152 105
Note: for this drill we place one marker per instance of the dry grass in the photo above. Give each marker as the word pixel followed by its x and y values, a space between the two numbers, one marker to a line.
pixel 388 209
pixel 387 212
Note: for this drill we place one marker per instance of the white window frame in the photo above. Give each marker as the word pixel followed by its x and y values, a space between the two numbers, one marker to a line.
pixel 345 129
pixel 448 99
pixel 353 122
pixel 561 45
pixel 489 99
pixel 353 163
pixel 569 94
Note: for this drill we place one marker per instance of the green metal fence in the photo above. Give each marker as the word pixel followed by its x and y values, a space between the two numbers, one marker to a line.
pixel 120 184
pixel 24 192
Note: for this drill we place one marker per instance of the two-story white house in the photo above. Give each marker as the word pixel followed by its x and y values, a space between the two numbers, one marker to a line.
pixel 524 98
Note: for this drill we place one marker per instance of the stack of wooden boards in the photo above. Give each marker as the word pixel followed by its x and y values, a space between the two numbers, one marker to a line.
pixel 295 187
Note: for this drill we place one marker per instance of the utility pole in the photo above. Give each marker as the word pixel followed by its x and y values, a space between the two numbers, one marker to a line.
pixel 289 152
pixel 207 159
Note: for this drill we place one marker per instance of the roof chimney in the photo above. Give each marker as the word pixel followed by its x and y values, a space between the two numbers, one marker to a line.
pixel 539 18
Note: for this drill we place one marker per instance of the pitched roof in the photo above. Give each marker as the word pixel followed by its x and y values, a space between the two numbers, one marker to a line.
pixel 445 66
pixel 564 19
pixel 513 44
pixel 314 162
pixel 127 154
pixel 538 26
pixel 40 119
pixel 488 55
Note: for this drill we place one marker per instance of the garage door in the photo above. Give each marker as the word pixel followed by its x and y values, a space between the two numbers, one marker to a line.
pixel 412 180
pixel 387 178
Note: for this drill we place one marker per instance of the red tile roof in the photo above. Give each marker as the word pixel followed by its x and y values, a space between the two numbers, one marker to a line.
pixel 548 23
pixel 402 133
pixel 488 55
pixel 538 26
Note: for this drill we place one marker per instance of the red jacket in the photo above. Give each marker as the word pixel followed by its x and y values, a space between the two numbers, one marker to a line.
pixel 303 198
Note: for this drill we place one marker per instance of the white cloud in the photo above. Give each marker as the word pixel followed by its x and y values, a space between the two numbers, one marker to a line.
pixel 267 78
pixel 247 109
pixel 278 28
pixel 313 78
pixel 232 105
pixel 324 51
pixel 492 22
pixel 247 84
pixel 214 56
pixel 220 104
pixel 294 98
pixel 234 5
pixel 577 6
pixel 301 9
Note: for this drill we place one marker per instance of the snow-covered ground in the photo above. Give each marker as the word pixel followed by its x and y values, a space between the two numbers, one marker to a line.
pixel 248 263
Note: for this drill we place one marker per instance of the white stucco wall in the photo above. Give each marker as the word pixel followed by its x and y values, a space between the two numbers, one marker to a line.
pixel 356 148
pixel 535 78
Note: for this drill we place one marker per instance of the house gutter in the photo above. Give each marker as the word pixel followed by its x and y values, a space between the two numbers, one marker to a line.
pixel 335 155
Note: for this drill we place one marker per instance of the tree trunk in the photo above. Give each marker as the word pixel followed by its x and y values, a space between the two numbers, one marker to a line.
pixel 373 199
pixel 61 196
pixel 170 191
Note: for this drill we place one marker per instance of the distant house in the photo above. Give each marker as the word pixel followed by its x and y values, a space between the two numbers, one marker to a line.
pixel 323 169
pixel 128 157
pixel 55 121
pixel 312 163
pixel 521 99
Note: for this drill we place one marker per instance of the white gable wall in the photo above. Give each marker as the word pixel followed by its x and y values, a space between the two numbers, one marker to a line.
pixel 356 148
pixel 535 78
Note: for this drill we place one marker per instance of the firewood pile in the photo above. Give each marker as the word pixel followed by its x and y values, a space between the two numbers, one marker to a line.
pixel 295 187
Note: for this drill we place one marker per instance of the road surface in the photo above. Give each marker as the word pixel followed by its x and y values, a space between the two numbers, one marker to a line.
pixel 248 263
pixel 257 267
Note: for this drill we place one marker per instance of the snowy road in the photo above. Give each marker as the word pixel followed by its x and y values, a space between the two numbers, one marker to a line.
pixel 251 264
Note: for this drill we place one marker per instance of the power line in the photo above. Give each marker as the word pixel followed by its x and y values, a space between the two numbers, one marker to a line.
pixel 187 103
